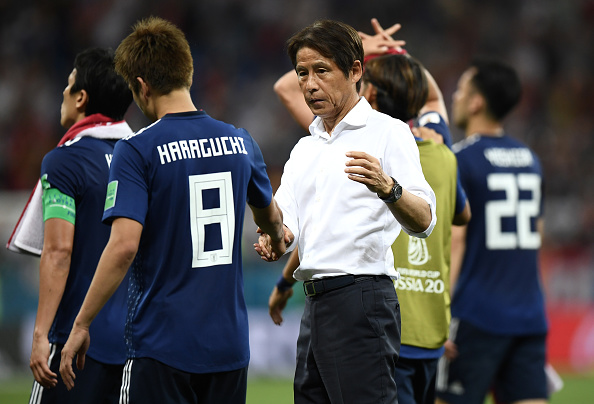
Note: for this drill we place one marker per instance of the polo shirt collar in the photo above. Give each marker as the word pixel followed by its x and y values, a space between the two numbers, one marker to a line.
pixel 355 118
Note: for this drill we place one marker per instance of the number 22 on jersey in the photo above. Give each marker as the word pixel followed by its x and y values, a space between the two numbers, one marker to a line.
pixel 523 210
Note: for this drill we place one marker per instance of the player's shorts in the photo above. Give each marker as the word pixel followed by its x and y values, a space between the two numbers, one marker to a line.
pixel 149 381
pixel 97 383
pixel 511 366
pixel 415 379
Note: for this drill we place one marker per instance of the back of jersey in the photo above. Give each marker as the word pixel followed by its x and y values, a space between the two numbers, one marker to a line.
pixel 186 179
pixel 499 288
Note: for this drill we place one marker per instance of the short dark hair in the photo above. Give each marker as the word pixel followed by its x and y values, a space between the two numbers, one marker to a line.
pixel 498 83
pixel 108 92
pixel 157 51
pixel 332 39
pixel 401 83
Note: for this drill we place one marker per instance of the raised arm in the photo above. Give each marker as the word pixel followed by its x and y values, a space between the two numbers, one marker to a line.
pixel 381 41
pixel 435 100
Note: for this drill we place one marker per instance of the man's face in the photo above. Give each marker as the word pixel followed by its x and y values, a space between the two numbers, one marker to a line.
pixel 326 90
pixel 461 99
pixel 68 110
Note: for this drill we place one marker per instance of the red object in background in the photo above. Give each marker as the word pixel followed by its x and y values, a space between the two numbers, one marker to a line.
pixel 563 324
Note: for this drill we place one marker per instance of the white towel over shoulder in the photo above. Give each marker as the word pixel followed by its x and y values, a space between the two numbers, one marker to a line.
pixel 27 236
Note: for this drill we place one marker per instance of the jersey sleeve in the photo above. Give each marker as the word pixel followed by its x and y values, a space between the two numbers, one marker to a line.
pixel 259 192
pixel 60 180
pixel 127 190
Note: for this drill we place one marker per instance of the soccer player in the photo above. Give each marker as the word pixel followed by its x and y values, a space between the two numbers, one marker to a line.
pixel 74 180
pixel 498 318
pixel 341 197
pixel 176 200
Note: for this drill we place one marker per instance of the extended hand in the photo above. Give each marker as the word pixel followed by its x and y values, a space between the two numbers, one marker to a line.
pixel 270 250
pixel 366 169
pixel 77 345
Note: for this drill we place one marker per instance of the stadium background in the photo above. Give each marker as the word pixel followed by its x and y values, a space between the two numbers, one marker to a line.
pixel 238 49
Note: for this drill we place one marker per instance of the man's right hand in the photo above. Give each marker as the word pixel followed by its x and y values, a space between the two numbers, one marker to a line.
pixel 38 363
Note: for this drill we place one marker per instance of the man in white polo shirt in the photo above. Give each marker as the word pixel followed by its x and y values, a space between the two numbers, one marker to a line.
pixel 346 192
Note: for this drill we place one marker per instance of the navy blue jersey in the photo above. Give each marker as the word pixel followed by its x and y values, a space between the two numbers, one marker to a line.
pixel 433 120
pixel 80 169
pixel 186 178
pixel 499 288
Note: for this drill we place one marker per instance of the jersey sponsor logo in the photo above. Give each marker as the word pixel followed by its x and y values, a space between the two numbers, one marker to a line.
pixel 108 158
pixel 200 148
pixel 418 254
pixel 506 157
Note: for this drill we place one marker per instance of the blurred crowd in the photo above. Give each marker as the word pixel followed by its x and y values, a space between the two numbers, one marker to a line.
pixel 238 49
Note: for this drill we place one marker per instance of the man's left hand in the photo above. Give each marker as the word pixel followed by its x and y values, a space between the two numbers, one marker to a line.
pixel 366 169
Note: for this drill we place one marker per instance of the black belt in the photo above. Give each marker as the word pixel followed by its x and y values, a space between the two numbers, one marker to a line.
pixel 319 286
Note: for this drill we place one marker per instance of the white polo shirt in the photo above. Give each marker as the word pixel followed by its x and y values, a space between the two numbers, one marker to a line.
pixel 341 227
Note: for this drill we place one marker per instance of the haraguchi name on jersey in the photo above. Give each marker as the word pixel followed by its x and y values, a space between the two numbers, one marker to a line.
pixel 500 157
pixel 200 148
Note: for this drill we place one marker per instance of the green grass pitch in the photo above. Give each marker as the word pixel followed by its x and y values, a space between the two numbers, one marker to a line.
pixel 578 389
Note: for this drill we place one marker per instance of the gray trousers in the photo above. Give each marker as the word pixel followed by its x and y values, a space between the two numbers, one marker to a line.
pixel 348 345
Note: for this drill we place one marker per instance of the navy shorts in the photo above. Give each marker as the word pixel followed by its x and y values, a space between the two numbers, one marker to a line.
pixel 149 381
pixel 513 367
pixel 415 379
pixel 97 383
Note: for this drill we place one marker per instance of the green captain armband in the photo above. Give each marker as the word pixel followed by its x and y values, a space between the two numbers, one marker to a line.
pixel 58 205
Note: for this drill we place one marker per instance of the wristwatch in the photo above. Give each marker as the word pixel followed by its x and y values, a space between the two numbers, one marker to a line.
pixel 395 193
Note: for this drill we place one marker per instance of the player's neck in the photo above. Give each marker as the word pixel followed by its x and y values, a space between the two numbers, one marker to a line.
pixel 484 127
pixel 174 102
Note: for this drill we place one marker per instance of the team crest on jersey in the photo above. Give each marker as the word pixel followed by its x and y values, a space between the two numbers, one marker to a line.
pixel 418 254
